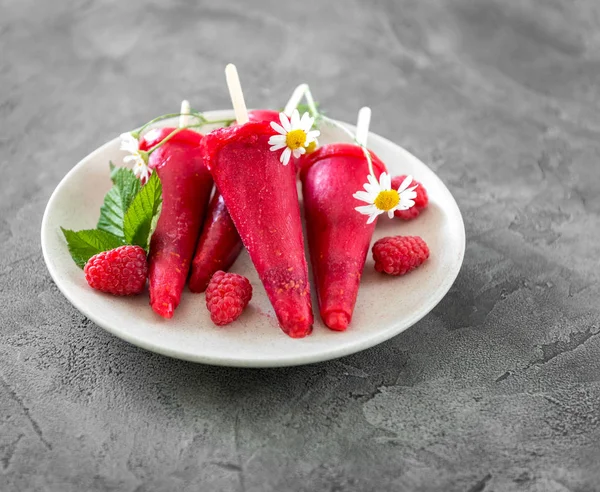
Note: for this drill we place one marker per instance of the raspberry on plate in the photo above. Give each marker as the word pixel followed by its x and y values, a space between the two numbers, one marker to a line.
pixel 227 295
pixel 399 255
pixel 421 200
pixel 121 271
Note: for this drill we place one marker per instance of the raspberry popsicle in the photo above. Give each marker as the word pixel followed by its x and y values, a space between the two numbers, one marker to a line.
pixel 260 193
pixel 338 236
pixel 186 187
pixel 220 243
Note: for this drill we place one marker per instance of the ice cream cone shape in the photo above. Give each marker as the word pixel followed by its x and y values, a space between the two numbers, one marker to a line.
pixel 186 188
pixel 338 236
pixel 220 244
pixel 260 193
pixel 218 247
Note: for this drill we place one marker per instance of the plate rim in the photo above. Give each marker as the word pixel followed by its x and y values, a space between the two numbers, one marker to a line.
pixel 285 361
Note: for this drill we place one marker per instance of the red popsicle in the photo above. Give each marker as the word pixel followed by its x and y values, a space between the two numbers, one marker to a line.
pixel 260 193
pixel 186 187
pixel 338 236
pixel 219 245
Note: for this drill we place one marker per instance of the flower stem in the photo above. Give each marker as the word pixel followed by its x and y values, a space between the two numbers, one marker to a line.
pixel 177 130
pixel 194 114
pixel 334 123
pixel 155 120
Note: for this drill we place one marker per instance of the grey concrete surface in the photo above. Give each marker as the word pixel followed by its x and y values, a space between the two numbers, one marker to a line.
pixel 496 390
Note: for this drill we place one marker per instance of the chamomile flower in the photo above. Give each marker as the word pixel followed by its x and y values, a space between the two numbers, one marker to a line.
pixel 382 198
pixel 139 158
pixel 294 135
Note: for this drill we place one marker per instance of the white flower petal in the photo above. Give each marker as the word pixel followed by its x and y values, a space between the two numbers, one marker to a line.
pixel 276 147
pixel 385 181
pixel 285 122
pixel 142 171
pixel 298 152
pixel 405 184
pixel 278 128
pixel 364 196
pixel 129 143
pixel 285 156
pixel 275 139
pixel 374 190
pixel 374 182
pixel 312 135
pixel 373 217
pixel 391 213
pixel 295 121
pixel 305 122
pixel 366 209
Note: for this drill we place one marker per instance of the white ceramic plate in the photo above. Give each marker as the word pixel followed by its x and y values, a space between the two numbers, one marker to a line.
pixel 386 305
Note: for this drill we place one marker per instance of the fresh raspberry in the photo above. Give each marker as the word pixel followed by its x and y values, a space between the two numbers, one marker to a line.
pixel 421 200
pixel 227 295
pixel 399 254
pixel 121 271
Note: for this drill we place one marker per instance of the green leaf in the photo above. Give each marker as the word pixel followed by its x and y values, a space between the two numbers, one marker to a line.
pixel 113 170
pixel 85 244
pixel 117 200
pixel 142 215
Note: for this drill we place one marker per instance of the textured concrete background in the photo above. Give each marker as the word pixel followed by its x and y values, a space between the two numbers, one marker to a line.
pixel 496 390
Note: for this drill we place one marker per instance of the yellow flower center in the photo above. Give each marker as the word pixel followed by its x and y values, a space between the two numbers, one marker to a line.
pixel 311 147
pixel 295 139
pixel 387 200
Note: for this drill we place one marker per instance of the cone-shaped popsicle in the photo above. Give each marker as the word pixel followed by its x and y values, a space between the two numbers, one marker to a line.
pixel 186 187
pixel 338 236
pixel 220 244
pixel 218 247
pixel 261 196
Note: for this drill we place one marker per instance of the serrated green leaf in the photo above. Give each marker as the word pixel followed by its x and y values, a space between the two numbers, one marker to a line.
pixel 143 213
pixel 113 170
pixel 87 243
pixel 117 200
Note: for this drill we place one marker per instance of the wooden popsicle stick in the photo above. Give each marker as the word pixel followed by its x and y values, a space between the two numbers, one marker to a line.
pixel 184 118
pixel 295 99
pixel 236 94
pixel 362 126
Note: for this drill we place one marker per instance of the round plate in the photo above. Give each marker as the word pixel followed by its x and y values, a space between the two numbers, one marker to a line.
pixel 385 307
